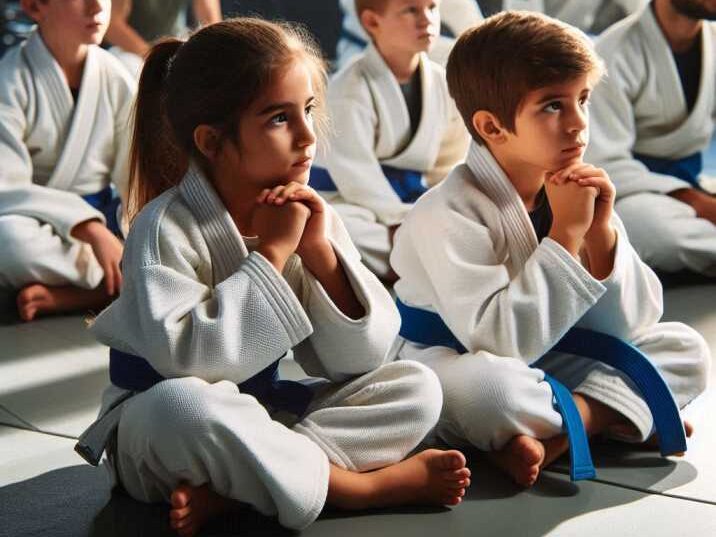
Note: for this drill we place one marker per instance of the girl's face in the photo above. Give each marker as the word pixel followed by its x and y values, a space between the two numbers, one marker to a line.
pixel 276 139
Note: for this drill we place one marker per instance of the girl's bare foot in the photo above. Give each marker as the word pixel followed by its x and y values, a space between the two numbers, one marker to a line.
pixel 38 299
pixel 432 477
pixel 191 507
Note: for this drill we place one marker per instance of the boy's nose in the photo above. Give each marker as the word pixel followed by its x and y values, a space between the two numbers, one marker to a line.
pixel 96 6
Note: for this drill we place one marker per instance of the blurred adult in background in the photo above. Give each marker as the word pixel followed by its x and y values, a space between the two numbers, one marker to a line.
pixel 651 120
pixel 135 24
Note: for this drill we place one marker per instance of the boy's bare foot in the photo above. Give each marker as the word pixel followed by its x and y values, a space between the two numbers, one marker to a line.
pixel 432 477
pixel 524 456
pixel 652 442
pixel 38 299
pixel 191 507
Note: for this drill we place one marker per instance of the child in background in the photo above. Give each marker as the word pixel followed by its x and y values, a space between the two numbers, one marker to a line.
pixel 64 140
pixel 519 245
pixel 396 130
pixel 231 262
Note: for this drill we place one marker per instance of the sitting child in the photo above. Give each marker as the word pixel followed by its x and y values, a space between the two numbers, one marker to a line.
pixel 520 244
pixel 64 138
pixel 394 126
pixel 231 262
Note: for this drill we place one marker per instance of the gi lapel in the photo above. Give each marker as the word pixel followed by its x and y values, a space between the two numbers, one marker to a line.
pixel 388 101
pixel 215 223
pixel 422 150
pixel 491 179
pixel 78 138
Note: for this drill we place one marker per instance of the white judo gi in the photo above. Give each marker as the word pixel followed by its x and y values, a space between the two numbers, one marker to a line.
pixel 640 108
pixel 468 251
pixel 52 152
pixel 208 313
pixel 457 15
pixel 371 128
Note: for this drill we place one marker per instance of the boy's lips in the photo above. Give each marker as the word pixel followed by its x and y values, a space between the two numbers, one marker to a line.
pixel 574 149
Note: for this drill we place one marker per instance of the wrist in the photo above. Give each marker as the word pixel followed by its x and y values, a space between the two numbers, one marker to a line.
pixel 273 256
pixel 570 241
pixel 689 196
pixel 601 235
pixel 87 230
pixel 317 254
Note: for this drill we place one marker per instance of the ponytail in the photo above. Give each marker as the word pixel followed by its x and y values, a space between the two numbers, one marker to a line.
pixel 209 80
pixel 157 163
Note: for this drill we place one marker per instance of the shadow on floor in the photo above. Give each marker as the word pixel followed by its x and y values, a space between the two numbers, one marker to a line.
pixel 77 500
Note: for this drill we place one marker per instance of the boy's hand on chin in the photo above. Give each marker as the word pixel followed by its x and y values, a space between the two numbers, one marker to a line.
pixel 586 175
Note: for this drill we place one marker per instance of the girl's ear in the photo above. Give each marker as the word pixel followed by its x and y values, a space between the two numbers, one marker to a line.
pixel 207 141
pixel 488 127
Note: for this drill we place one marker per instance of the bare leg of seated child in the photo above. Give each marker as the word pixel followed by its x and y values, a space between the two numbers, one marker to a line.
pixel 524 456
pixel 38 299
pixel 432 477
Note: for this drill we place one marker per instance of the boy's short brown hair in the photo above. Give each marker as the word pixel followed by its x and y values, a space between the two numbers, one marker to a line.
pixel 373 5
pixel 494 64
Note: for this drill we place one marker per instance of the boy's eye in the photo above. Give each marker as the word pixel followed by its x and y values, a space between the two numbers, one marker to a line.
pixel 279 118
pixel 554 106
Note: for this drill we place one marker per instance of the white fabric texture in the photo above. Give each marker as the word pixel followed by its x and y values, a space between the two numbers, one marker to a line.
pixel 640 108
pixel 371 127
pixel 468 252
pixel 53 151
pixel 197 303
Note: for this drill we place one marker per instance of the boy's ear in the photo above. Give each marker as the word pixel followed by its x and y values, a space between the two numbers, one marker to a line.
pixel 488 127
pixel 370 21
pixel 207 141
pixel 32 8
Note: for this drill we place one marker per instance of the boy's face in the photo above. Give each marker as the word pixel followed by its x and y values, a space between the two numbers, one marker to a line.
pixel 409 26
pixel 551 126
pixel 77 21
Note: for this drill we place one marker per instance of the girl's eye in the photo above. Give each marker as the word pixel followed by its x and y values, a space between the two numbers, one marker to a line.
pixel 554 106
pixel 309 109
pixel 584 102
pixel 433 7
pixel 279 118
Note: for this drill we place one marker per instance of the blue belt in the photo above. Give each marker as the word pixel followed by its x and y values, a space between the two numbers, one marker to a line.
pixel 687 168
pixel 407 184
pixel 106 201
pixel 353 38
pixel 428 328
pixel 134 373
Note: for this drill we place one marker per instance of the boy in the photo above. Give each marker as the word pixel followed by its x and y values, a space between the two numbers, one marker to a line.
pixel 653 118
pixel 64 109
pixel 394 125
pixel 519 245
pixel 456 15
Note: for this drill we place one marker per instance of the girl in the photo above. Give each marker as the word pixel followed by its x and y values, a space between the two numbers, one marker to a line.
pixel 232 262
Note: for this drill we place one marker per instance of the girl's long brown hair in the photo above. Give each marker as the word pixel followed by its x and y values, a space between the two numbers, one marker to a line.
pixel 210 79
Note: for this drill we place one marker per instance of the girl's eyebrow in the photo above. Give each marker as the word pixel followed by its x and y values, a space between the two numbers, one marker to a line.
pixel 274 107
